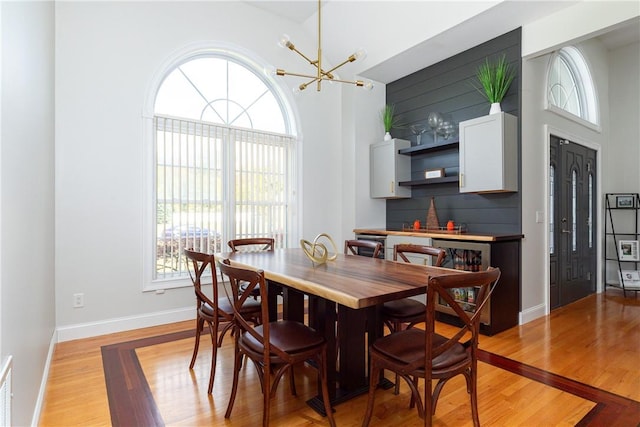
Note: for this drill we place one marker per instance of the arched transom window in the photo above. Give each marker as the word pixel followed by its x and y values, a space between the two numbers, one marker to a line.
pixel 224 159
pixel 570 88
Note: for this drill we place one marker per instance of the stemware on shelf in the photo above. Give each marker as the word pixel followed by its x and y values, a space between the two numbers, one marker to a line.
pixel 418 129
pixel 434 120
pixel 447 129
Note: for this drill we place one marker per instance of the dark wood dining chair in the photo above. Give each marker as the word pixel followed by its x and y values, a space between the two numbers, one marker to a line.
pixel 252 244
pixel 415 353
pixel 274 347
pixel 353 247
pixel 216 312
pixel 408 311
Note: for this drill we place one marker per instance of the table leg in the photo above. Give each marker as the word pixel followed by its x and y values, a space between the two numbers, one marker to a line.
pixel 292 304
pixel 274 290
pixel 322 318
pixel 312 308
pixel 352 325
pixel 364 327
pixel 324 322
pixel 359 329
pixel 375 330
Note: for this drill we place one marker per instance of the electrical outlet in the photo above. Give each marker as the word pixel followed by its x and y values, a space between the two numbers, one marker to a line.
pixel 78 300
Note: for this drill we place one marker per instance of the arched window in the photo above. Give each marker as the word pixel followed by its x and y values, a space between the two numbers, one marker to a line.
pixel 224 158
pixel 570 88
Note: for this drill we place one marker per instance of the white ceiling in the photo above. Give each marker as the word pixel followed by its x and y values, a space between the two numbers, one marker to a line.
pixel 501 18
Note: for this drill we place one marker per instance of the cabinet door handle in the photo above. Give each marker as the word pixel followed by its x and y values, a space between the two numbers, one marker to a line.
pixel 392 187
pixel 461 180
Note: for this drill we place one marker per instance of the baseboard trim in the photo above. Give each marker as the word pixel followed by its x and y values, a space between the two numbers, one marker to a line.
pixel 37 411
pixel 533 313
pixel 109 326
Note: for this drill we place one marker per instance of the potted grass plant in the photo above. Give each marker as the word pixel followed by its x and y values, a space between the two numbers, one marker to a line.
pixel 495 79
pixel 389 120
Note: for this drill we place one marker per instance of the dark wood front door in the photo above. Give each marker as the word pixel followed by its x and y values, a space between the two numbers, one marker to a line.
pixel 573 221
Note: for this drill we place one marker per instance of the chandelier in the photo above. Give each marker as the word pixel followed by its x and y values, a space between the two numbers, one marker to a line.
pixel 320 74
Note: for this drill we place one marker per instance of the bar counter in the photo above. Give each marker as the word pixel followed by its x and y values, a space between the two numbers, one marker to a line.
pixel 463 236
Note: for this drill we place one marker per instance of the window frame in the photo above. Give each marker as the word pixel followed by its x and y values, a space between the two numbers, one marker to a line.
pixel 585 87
pixel 189 52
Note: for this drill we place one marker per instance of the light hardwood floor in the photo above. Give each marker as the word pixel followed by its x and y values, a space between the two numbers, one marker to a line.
pixel 578 366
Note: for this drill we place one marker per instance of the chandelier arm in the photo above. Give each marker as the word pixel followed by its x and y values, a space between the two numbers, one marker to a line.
pixel 317 62
pixel 346 61
pixel 286 73
pixel 314 78
pixel 306 58
pixel 352 82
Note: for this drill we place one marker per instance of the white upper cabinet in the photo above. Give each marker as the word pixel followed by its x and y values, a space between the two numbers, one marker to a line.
pixel 388 168
pixel 489 154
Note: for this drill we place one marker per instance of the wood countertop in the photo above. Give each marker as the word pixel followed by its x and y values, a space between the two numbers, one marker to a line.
pixel 475 237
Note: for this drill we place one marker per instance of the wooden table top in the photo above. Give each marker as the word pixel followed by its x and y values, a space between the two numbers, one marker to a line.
pixel 352 281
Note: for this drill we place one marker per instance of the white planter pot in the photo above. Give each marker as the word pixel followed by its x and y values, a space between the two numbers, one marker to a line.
pixel 387 136
pixel 495 108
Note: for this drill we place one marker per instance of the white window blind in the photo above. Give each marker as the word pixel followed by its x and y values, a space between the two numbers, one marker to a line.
pixel 215 183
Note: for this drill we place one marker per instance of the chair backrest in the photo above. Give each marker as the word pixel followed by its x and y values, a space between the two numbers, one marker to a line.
pixel 200 265
pixel 351 247
pixel 448 288
pixel 437 255
pixel 252 244
pixel 239 287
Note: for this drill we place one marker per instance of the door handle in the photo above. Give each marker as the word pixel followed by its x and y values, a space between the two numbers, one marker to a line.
pixel 564 221
pixel 566 231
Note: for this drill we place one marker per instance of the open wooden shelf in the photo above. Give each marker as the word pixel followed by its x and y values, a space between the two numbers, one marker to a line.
pixel 443 180
pixel 429 148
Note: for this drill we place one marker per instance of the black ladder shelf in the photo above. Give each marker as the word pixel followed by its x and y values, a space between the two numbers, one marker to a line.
pixel 621 243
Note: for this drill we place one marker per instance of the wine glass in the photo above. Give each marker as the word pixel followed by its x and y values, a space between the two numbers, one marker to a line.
pixel 447 129
pixel 435 121
pixel 418 129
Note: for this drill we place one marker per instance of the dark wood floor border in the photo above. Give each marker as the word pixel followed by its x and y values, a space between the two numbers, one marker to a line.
pixel 131 402
pixel 610 409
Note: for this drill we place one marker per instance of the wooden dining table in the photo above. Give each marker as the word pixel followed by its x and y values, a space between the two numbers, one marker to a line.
pixel 347 291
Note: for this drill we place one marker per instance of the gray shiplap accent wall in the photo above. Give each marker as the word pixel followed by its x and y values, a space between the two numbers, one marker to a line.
pixel 448 88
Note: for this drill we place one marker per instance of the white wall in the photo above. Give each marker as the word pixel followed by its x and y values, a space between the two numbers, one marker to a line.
pixel 106 55
pixel 623 157
pixel 578 22
pixel 537 123
pixel 27 198
pixel 623 174
pixel 361 211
